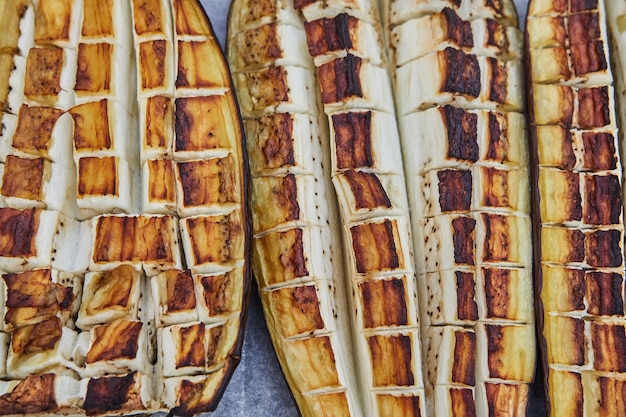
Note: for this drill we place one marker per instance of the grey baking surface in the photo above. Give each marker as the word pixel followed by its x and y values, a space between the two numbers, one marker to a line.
pixel 258 388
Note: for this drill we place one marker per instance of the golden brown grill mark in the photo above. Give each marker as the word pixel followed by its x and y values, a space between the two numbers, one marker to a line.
pixel 261 45
pixel 158 121
pixel 290 259
pixel 260 9
pixel 463 371
pixel 215 239
pixel 23 178
pixel 298 309
pixel 112 290
pixel 330 34
pixel 455 190
pixel 459 30
pixel 463 240
pixel 180 290
pixel 499 80
pixel 35 292
pixel 396 349
pixel 603 248
pixel 462 402
pixel 462 133
pixel 353 139
pixel 191 350
pixel 462 72
pixel 275 140
pixel 43 72
pixel 91 126
pixel 219 292
pixel 268 86
pixel 498 244
pixel 190 18
pixel 208 181
pixel 162 181
pixel 496 35
pixel 97 176
pixel 34 128
pixel 583 28
pixel 375 247
pixel 340 79
pixel 467 309
pixel 200 123
pixel 393 405
pixel 498 297
pixel 99 21
pixel 93 74
pixel 152 63
pixel 36 338
pixel 495 187
pixel 367 189
pixel 384 303
pixel 192 71
pixel 501 396
pixel 612 401
pixel 52 20
pixel 147 17
pixel 603 200
pixel 609 347
pixel 117 340
pixel 112 393
pixel 593 107
pixel 18 231
pixel 599 151
pixel 132 238
pixel 34 394
pixel 589 57
pixel 604 293
pixel 566 340
pixel 498 144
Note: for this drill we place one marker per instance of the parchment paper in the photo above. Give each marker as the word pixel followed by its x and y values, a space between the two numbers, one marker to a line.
pixel 258 388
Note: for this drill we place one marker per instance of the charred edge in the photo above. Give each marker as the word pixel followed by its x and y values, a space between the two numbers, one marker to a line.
pixel 18 229
pixel 367 190
pixel 604 200
pixel 108 393
pixel 593 107
pixel 123 344
pixel 462 133
pixel 35 394
pixel 462 73
pixel 182 295
pixel 384 303
pixel 353 142
pixel 604 292
pixel 462 402
pixel 455 190
pixel 278 149
pixel 497 283
pixel 459 30
pixel 192 349
pixel 463 240
pixel 467 309
pixel 463 369
pixel 604 248
pixel 609 346
pixel 600 153
pixel 499 81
